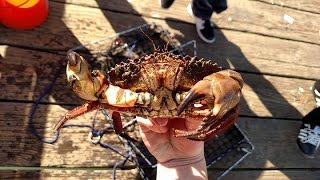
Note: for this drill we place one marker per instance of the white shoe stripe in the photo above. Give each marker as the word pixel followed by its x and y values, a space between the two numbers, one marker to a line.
pixel 317 93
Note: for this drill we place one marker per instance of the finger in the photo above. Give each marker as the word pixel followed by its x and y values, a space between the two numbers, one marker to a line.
pixel 148 125
pixel 161 121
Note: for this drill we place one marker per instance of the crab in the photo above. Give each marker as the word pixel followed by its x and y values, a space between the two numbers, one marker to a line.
pixel 159 85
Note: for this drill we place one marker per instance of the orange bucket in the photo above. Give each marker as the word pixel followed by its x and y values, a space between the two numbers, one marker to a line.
pixel 23 14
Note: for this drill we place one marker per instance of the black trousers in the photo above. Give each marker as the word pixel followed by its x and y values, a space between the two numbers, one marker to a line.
pixel 203 9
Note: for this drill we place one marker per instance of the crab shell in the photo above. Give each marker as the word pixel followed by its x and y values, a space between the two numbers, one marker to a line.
pixel 161 85
pixel 162 80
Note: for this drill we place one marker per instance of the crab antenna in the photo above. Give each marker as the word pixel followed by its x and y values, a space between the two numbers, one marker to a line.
pixel 154 46
pixel 169 41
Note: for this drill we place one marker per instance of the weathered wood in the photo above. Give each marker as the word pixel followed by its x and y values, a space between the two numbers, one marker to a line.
pixel 27 73
pixel 19 147
pixel 26 78
pixel 275 144
pixel 257 54
pixel 249 16
pixel 242 51
pixel 69 174
pixel 309 6
pixel 133 174
pixel 275 59
pixel 272 174
pixel 274 141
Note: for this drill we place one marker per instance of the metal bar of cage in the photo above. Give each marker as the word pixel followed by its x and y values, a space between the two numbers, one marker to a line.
pixel 132 147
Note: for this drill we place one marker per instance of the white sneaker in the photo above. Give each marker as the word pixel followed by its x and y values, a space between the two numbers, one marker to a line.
pixel 204 28
pixel 308 140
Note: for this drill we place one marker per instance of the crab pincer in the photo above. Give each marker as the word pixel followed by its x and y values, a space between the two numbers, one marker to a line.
pixel 221 92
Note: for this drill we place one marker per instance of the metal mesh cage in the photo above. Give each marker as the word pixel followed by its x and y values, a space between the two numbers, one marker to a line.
pixel 222 152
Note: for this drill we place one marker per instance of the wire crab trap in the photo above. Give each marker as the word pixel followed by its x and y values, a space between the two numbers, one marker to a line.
pixel 223 152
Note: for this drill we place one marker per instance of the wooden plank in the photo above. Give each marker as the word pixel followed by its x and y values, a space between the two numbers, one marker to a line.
pixel 242 51
pixel 272 174
pixel 19 147
pixel 275 145
pixel 276 97
pixel 133 174
pixel 259 54
pixel 274 141
pixel 26 78
pixel 27 73
pixel 249 16
pixel 308 6
pixel 61 29
pixel 69 174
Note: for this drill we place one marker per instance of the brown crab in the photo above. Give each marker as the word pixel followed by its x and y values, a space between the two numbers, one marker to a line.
pixel 160 85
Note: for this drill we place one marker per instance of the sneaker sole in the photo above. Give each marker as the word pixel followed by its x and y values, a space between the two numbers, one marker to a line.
pixel 303 154
pixel 189 10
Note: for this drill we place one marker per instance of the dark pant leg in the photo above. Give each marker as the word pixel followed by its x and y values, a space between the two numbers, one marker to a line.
pixel 203 9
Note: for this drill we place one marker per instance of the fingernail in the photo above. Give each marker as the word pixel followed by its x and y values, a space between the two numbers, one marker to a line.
pixel 162 121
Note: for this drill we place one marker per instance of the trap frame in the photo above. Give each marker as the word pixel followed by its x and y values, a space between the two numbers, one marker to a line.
pixel 223 152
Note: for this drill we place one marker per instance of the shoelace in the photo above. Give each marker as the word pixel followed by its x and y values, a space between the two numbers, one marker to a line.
pixel 307 135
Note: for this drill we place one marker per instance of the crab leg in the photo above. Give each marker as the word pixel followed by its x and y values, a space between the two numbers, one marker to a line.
pixel 118 128
pixel 90 106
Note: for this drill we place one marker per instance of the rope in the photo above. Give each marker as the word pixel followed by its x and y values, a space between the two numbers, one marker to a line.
pixel 35 106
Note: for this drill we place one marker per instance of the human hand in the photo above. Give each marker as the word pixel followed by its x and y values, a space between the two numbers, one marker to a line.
pixel 158 136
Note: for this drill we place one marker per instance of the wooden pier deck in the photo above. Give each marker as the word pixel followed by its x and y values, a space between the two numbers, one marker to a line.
pixel 279 62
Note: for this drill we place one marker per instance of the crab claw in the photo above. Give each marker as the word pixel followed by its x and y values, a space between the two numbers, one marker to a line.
pixel 220 90
pixel 221 93
pixel 84 83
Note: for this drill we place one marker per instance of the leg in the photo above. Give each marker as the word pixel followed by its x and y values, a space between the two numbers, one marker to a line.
pixel 90 106
pixel 118 128
pixel 203 9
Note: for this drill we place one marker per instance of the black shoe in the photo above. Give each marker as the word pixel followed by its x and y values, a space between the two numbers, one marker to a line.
pixel 309 135
pixel 316 92
pixel 205 28
pixel 166 3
